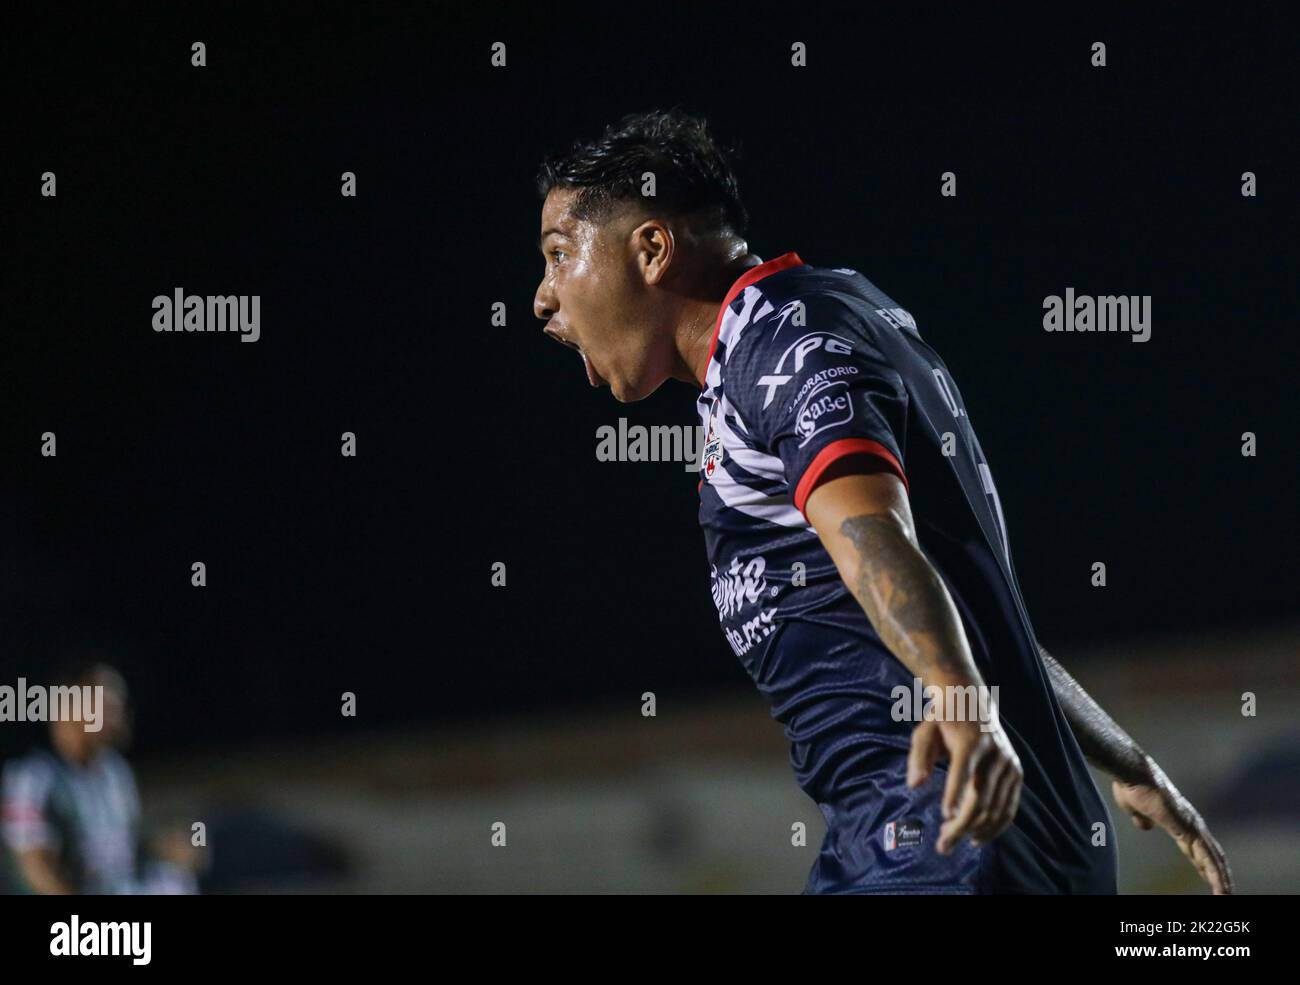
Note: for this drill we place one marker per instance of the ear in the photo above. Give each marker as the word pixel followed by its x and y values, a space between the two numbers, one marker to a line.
pixel 654 249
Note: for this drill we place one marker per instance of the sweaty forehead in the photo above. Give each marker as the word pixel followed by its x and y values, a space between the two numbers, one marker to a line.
pixel 558 217
pixel 556 212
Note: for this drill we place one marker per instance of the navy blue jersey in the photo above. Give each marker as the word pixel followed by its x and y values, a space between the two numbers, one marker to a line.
pixel 809 365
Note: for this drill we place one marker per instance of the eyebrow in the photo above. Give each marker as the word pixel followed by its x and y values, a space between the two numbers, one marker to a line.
pixel 553 231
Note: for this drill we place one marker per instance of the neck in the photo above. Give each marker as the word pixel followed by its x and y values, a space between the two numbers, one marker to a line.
pixel 699 314
pixel 71 749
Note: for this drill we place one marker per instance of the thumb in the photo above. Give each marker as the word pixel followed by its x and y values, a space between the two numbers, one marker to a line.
pixel 956 785
pixel 924 753
pixel 1141 820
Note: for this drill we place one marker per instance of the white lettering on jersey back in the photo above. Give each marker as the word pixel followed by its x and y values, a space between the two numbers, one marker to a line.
pixel 898 317
pixel 990 490
pixel 948 398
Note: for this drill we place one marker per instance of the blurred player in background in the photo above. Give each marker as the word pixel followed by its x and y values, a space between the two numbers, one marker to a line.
pixel 70 813
pixel 854 533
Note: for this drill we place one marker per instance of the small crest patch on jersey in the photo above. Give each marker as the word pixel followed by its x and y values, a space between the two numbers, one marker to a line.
pixel 903 834
pixel 712 445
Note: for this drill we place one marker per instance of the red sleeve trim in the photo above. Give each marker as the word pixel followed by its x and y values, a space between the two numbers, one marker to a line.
pixel 21 812
pixel 832 453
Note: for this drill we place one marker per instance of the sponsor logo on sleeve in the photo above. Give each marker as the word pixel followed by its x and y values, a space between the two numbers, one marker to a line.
pixel 820 378
pixel 800 349
pixel 826 407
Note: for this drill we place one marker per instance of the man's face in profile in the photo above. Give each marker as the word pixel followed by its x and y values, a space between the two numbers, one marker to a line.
pixel 593 298
pixel 106 721
pixel 114 708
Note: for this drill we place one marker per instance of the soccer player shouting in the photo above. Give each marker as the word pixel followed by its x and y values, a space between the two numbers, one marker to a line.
pixel 855 537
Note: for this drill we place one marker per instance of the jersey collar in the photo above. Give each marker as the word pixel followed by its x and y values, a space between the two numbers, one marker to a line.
pixel 751 276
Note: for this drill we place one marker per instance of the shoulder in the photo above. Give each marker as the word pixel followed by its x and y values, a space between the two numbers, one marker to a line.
pixel 792 313
pixel 29 777
pixel 799 321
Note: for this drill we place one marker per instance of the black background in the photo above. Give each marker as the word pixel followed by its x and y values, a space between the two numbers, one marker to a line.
pixel 477 443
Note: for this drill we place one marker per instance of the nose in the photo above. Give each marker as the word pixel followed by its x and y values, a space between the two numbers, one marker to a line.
pixel 544 303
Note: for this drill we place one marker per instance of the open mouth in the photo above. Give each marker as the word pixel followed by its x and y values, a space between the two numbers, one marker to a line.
pixel 593 377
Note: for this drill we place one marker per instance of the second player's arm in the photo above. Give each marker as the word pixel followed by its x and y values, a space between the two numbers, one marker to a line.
pixel 1104 743
pixel 40 869
pixel 1141 787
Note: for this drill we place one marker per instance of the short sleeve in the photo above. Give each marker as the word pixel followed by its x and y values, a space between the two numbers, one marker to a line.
pixel 830 394
pixel 24 803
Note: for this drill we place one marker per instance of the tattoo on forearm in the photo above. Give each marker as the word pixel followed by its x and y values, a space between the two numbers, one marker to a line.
pixel 1104 743
pixel 905 599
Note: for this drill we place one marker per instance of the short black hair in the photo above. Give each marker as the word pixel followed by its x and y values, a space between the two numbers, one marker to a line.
pixel 693 173
pixel 81 666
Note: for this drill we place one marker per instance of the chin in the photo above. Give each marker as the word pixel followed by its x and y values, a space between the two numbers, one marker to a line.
pixel 627 394
pixel 627 391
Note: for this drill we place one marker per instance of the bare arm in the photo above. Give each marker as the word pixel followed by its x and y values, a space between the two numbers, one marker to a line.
pixel 40 868
pixel 1141 787
pixel 865 523
pixel 1107 746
